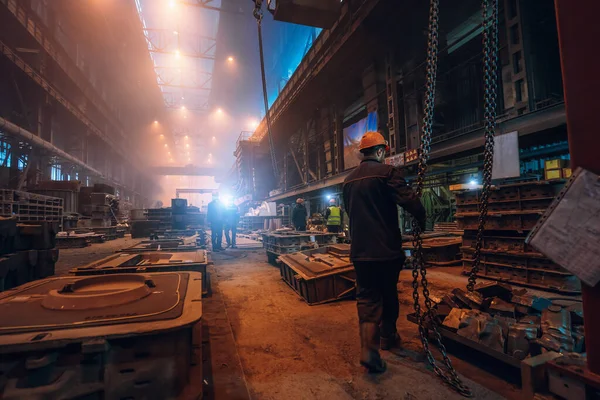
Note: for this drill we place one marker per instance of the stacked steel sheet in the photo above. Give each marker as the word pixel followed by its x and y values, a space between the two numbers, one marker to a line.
pixel 27 251
pixel 125 336
pixel 156 261
pixel 287 242
pixel 175 244
pixel 30 207
pixel 512 212
pixel 320 275
pixel 510 324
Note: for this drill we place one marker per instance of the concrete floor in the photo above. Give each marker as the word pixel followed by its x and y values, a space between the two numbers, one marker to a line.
pixel 265 342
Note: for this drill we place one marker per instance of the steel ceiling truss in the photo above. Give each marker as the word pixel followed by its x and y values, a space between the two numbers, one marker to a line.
pixel 191 45
pixel 191 103
pixel 184 78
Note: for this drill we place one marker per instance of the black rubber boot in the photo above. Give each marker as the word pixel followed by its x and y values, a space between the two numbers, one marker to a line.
pixel 391 342
pixel 369 348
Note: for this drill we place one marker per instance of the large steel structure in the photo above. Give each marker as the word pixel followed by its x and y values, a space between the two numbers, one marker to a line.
pixel 74 96
pixel 369 66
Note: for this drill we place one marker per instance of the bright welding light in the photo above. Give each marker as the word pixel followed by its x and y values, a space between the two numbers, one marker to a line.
pixel 230 59
pixel 328 197
pixel 177 53
pixel 182 108
pixel 219 111
pixel 155 122
pixel 473 182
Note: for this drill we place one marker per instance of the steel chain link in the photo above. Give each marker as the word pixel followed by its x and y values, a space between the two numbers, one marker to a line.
pixel 449 376
pixel 490 69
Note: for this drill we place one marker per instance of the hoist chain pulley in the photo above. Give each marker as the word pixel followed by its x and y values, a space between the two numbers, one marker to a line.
pixel 490 43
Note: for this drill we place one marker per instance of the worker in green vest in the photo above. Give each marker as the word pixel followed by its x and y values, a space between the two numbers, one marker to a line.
pixel 333 215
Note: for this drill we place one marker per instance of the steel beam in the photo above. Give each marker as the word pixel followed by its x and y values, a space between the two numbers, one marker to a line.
pixel 578 33
pixel 40 143
pixel 188 170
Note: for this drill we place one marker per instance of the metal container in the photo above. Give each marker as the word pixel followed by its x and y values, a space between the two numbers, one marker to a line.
pixel 157 261
pixel 112 337
pixel 70 198
pixel 137 214
pixel 320 275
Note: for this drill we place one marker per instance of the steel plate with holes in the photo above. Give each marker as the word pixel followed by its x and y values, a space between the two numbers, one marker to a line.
pixel 156 261
pixel 107 336
pixel 320 275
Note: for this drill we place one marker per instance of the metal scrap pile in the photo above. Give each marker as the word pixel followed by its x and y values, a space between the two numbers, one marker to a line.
pixel 512 321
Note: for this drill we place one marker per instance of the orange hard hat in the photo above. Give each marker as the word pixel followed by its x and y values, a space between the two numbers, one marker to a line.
pixel 372 139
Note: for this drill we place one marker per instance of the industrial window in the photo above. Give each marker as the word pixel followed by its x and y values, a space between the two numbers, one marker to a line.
pixel 519 86
pixel 55 173
pixel 22 162
pixel 4 154
pixel 517 62
pixel 514 34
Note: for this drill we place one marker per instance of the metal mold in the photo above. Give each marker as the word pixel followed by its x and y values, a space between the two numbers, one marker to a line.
pixel 141 347
pixel 156 261
pixel 175 244
pixel 319 275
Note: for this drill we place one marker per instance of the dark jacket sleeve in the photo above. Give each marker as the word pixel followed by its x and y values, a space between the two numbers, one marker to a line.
pixel 405 197
pixel 327 212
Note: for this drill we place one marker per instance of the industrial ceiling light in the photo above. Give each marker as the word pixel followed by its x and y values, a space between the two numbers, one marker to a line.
pixel 162 136
pixel 155 122
pixel 177 53
pixel 230 59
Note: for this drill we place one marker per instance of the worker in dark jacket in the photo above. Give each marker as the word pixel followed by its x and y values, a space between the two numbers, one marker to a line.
pixel 299 215
pixel 371 193
pixel 215 216
pixel 333 216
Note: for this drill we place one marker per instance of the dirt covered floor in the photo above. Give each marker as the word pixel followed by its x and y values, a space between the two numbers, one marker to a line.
pixel 262 341
pixel 289 350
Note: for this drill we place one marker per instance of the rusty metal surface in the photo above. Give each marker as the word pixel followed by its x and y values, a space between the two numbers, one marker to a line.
pixel 508 323
pixel 439 251
pixel 506 220
pixel 319 275
pixel 139 349
pixel 176 244
pixel 156 261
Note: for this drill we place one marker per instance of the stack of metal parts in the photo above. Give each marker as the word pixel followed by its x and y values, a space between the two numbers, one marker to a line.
pixel 68 191
pixel 510 324
pixel 112 337
pixel 287 242
pixel 27 251
pixel 30 207
pixel 512 212
pixel 72 240
pixel 156 261
pixel 439 251
pixel 103 209
pixel 176 244
pixel 320 275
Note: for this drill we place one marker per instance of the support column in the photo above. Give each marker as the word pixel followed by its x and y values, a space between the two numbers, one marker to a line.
pixel 578 33
pixel 392 103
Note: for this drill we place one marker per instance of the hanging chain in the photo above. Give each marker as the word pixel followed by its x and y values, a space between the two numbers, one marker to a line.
pixel 449 376
pixel 258 14
pixel 490 66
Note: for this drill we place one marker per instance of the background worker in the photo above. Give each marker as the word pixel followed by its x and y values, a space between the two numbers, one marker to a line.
pixel 371 193
pixel 215 216
pixel 333 216
pixel 232 218
pixel 299 215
